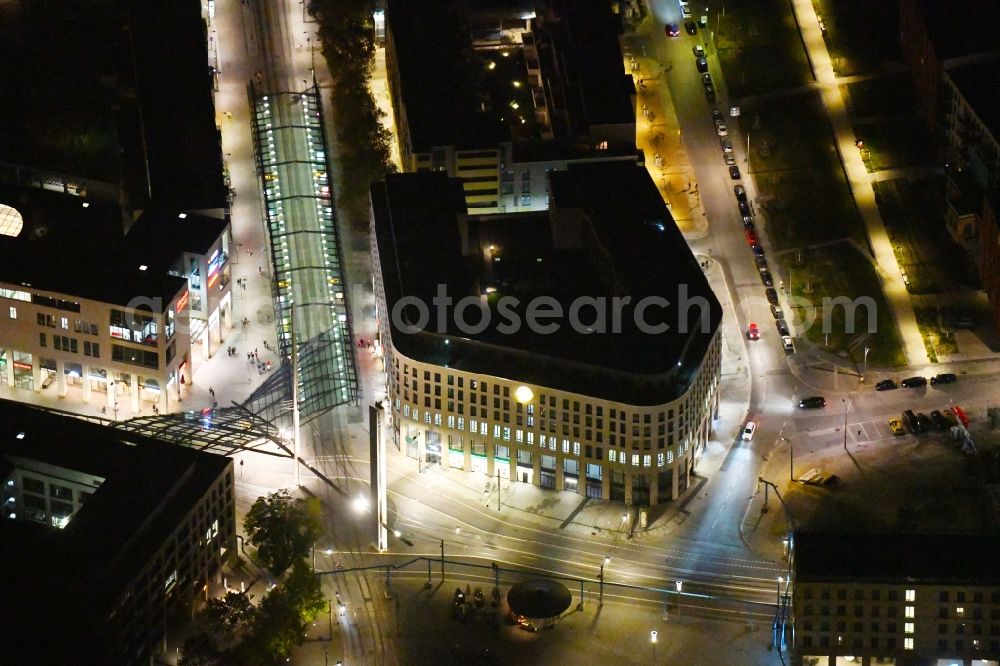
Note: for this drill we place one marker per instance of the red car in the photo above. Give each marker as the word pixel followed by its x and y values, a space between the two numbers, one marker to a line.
pixel 751 238
pixel 672 30
pixel 753 332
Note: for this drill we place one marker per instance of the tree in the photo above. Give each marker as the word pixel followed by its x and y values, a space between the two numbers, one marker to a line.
pixel 200 649
pixel 304 592
pixel 283 529
pixel 278 626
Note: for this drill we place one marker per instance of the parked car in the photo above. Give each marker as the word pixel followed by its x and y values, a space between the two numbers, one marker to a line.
pixel 925 421
pixel 728 157
pixel 710 93
pixel 672 30
pixel 749 430
pixel 766 279
pixel 753 332
pixel 782 326
pixel 740 192
pixel 910 419
pixel 744 208
pixel 914 382
pixel 747 223
pixel 691 27
pixel 786 342
pixel 813 402
pixel 772 296
pixel 721 129
pixel 734 171
pixel 701 63
pixel 761 262
pixel 706 79
pixel 751 237
pixel 940 422
pixel 716 116
pixel 943 378
pixel 886 385
pixel 685 9
pixel 698 50
pixel 758 251
pixel 896 426
pixel 777 312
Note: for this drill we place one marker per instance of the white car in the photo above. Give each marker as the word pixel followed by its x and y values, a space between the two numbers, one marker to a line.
pixel 721 129
pixel 786 342
pixel 685 10
pixel 749 430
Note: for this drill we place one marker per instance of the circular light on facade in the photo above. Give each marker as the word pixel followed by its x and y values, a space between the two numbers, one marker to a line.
pixel 11 221
pixel 523 394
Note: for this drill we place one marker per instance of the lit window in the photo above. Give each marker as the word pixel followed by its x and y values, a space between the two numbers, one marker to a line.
pixel 612 454
pixel 473 425
pixel 461 423
pixel 518 435
pixel 576 448
pixel 647 460
pixel 531 438
pixel 635 460
pixel 506 434
pixel 907 643
pixel 911 595
pixel 908 628
pixel 496 431
pixel 565 446
pixel 451 421
pixel 659 459
pixel 909 611
pixel 406 410
pixel 64 323
pixel 959 611
pixel 437 419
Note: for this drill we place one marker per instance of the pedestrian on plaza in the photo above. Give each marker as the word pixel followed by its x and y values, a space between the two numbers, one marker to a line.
pixel 156 410
pixel 211 391
pixel 260 270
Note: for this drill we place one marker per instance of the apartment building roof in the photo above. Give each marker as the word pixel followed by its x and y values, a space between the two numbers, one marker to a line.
pixel 979 85
pixel 79 572
pixel 961 28
pixel 607 235
pixel 80 251
pixel 897 558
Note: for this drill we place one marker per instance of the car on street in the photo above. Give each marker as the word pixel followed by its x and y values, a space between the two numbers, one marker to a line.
pixel 672 30
pixel 734 171
pixel 940 422
pixel 813 402
pixel 710 93
pixel 776 310
pixel 786 342
pixel 716 116
pixel 748 225
pixel 740 192
pixel 782 326
pixel 744 209
pixel 698 50
pixel 943 378
pixel 706 79
pixel 896 426
pixel 730 160
pixel 772 296
pixel 766 279
pixel 914 382
pixel 727 145
pixel 749 430
pixel 753 333
pixel 702 64
pixel 751 238
pixel 758 251
pixel 925 422
pixel 911 421
pixel 886 385
pixel 691 27
pixel 721 129
pixel 685 9
pixel 761 262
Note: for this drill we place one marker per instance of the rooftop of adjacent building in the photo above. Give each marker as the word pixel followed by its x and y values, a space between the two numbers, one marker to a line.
pixel 74 247
pixel 897 558
pixel 961 28
pixel 607 234
pixel 149 488
pixel 113 91
pixel 980 86
pixel 455 94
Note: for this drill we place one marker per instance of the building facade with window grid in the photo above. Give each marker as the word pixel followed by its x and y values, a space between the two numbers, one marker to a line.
pixel 901 599
pixel 503 406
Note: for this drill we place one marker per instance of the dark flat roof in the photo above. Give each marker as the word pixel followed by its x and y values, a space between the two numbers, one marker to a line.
pixel 961 28
pixel 77 251
pixel 443 81
pixel 917 558
pixel 979 83
pixel 607 235
pixel 79 571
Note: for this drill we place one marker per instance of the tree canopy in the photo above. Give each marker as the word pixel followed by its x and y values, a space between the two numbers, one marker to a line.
pixel 283 529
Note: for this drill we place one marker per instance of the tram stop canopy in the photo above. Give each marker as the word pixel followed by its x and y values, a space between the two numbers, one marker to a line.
pixel 539 598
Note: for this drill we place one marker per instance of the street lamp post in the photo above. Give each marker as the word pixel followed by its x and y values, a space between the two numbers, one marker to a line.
pixel 864 365
pixel 652 640
pixel 778 599
pixel 679 584
pixel 604 564
pixel 847 408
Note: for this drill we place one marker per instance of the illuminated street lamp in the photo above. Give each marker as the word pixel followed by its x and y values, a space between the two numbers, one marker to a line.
pixel 652 640
pixel 680 585
pixel 604 564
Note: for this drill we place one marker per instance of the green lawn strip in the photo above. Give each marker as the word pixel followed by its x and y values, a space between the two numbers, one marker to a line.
pixel 841 271
pixel 889 96
pixel 894 144
pixel 759 48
